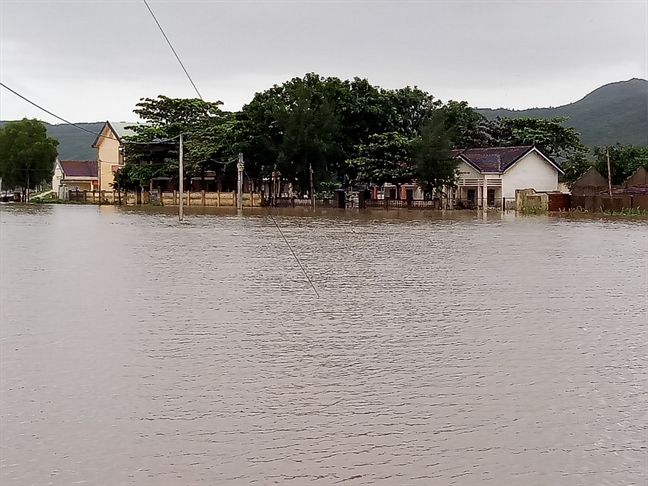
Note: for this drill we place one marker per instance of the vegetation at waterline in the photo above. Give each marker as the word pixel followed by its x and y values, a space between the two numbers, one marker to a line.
pixel 627 212
pixel 532 209
pixel 350 133
pixel 27 154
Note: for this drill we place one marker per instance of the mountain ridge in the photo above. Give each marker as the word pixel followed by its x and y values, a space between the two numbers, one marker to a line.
pixel 613 113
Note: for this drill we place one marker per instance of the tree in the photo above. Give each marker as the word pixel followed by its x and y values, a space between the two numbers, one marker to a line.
pixel 290 128
pixel 624 160
pixel 27 154
pixel 431 152
pixel 385 158
pixel 155 144
pixel 575 165
pixel 467 128
pixel 550 136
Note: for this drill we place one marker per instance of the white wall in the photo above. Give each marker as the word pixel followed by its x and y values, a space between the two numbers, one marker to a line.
pixel 466 171
pixel 56 178
pixel 531 171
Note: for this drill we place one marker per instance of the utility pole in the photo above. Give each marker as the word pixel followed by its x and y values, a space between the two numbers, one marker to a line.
pixel 239 186
pixel 312 192
pixel 181 179
pixel 607 154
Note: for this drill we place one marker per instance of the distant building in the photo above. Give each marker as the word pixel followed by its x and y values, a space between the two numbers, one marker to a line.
pixel 590 183
pixel 489 177
pixel 75 175
pixel 109 145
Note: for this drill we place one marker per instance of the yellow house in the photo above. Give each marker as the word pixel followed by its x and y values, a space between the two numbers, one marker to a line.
pixel 109 145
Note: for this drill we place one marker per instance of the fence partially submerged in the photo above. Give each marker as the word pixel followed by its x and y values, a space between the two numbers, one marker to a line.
pixel 195 198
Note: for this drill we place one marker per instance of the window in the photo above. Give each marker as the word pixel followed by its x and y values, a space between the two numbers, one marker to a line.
pixel 471 196
pixel 490 197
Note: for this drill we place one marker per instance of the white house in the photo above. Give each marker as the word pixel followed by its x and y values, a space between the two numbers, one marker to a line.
pixel 75 175
pixel 488 177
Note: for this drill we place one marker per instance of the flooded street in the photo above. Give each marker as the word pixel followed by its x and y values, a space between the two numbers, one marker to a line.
pixel 443 350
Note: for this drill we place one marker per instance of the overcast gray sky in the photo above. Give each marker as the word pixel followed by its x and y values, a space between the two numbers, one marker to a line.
pixel 92 60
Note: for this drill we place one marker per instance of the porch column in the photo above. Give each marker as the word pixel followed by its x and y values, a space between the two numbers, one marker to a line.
pixel 485 195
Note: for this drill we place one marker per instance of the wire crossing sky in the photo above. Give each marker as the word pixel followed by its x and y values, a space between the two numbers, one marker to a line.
pixel 93 60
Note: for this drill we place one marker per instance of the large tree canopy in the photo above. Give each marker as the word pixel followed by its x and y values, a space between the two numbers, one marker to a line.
pixel 27 154
pixel 350 132
pixel 550 136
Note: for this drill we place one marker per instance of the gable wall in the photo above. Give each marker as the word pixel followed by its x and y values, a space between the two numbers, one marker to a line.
pixel 108 156
pixel 56 178
pixel 531 171
pixel 466 171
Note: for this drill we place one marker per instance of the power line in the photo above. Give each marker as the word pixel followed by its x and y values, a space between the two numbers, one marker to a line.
pixel 171 46
pixel 157 142
pixel 293 253
pixel 49 112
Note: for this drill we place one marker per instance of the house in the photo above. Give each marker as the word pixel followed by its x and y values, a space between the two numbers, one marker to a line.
pixel 75 175
pixel 591 192
pixel 489 177
pixel 638 179
pixel 590 183
pixel 109 146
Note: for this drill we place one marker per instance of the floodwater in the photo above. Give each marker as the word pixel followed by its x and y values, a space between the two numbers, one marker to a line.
pixel 463 349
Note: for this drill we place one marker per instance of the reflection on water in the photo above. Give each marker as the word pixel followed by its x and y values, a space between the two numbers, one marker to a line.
pixel 458 349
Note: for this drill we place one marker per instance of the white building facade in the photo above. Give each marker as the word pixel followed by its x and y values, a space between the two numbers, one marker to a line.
pixel 489 177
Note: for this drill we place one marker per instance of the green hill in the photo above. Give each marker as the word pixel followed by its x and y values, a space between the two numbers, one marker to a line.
pixel 616 112
pixel 74 144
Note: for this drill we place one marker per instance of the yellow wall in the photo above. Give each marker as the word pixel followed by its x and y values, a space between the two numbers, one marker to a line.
pixel 108 156
pixel 82 185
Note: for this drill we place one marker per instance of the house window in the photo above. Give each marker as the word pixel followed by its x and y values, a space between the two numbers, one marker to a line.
pixel 490 197
pixel 392 193
pixel 471 196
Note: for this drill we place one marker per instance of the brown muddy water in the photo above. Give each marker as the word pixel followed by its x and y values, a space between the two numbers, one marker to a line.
pixel 443 350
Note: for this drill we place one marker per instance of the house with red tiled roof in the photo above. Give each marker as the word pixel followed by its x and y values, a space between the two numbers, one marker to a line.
pixel 489 177
pixel 75 175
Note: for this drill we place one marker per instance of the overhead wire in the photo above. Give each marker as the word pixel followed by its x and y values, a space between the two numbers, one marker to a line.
pixel 172 48
pixel 288 245
pixel 162 141
pixel 75 125
pixel 222 162
pixel 47 111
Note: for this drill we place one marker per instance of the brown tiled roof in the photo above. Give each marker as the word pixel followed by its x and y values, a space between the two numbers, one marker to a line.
pixel 493 159
pixel 79 168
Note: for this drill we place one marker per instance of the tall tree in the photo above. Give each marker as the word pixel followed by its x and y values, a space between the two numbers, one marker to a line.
pixel 432 153
pixel 292 127
pixel 27 154
pixel 203 125
pixel 467 128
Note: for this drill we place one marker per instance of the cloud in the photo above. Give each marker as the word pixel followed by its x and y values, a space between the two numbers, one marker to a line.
pixel 93 60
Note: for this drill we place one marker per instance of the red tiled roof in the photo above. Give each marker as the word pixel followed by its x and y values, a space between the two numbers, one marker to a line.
pixel 493 159
pixel 79 168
